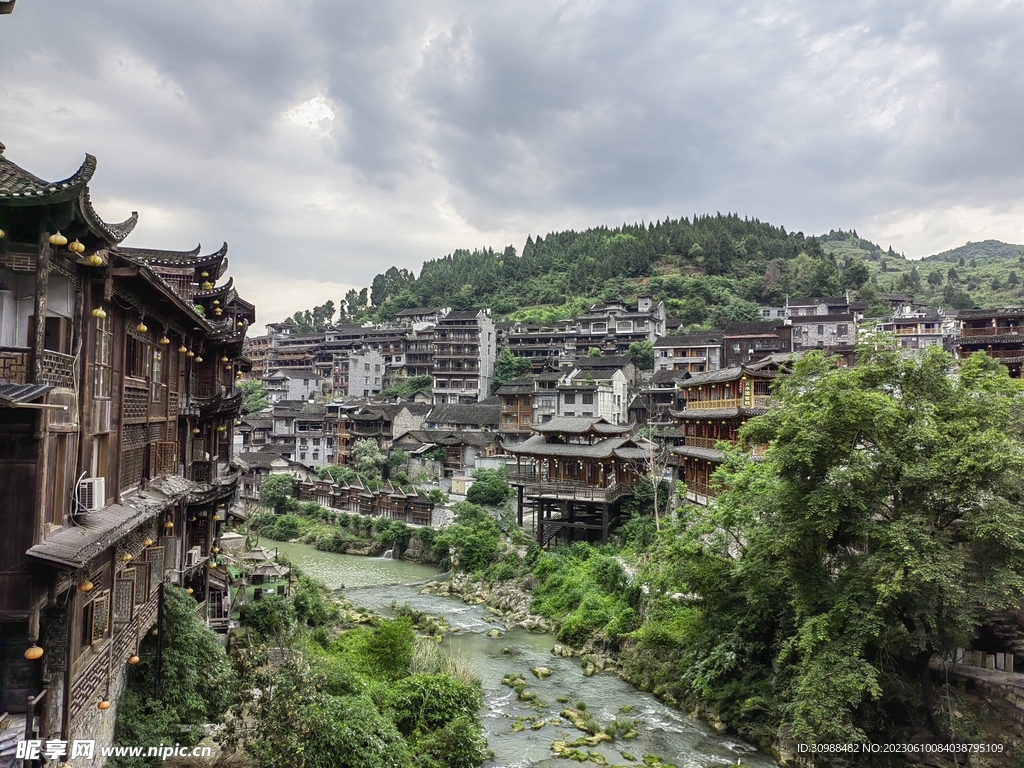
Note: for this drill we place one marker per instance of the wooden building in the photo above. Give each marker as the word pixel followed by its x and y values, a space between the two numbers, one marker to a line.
pixel 575 471
pixel 117 407
pixel 999 333
pixel 407 505
pixel 714 406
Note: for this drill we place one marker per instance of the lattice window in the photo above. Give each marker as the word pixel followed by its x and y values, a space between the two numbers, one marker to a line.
pixel 156 433
pixel 57 369
pixel 166 458
pixel 172 405
pixel 201 472
pixel 198 450
pixel 136 404
pixel 132 460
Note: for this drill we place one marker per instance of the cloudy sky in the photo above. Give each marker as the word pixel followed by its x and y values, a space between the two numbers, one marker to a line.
pixel 327 140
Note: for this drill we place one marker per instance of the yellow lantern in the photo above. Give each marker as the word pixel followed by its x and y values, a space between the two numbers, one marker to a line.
pixel 2 234
pixel 33 652
pixel 147 543
pixel 126 558
pixel 216 302
pixel 189 591
pixel 183 349
pixel 58 239
pixel 218 311
pixel 141 327
pixel 192 354
pixel 98 313
pixel 199 359
pixel 168 525
pixel 133 660
pixel 207 285
pixel 204 273
pixel 103 705
pixel 164 341
pixel 76 247
pixel 224 359
pixel 95 260
pixel 85 586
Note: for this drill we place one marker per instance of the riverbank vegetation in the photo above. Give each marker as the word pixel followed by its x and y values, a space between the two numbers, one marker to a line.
pixel 806 602
pixel 309 681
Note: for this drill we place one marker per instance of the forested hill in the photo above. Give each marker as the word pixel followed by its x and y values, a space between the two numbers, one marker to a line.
pixel 710 270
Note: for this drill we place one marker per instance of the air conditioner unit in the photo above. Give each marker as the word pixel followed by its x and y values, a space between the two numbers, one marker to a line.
pixel 92 494
pixel 193 556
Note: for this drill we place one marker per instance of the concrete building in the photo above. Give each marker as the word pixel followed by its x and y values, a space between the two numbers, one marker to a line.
pixel 464 352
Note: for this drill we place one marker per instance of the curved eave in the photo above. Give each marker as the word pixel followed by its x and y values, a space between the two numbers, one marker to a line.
pixel 18 187
pixel 172 296
pixel 154 257
pixel 216 293
pixel 112 233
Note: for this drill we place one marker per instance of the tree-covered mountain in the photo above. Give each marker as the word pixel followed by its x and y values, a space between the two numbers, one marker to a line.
pixel 709 270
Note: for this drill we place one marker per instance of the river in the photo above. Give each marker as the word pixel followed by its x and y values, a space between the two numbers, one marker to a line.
pixel 514 728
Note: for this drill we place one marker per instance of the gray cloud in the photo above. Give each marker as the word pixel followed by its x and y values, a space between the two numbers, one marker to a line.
pixel 464 124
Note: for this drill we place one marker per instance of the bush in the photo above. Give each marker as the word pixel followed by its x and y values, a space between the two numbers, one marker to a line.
pixel 489 488
pixel 389 647
pixel 312 604
pixel 502 572
pixel 271 615
pixel 460 744
pixel 349 732
pixel 423 702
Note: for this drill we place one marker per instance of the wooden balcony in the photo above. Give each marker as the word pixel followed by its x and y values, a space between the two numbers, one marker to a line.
pixel 57 369
pixel 1001 330
pixel 541 486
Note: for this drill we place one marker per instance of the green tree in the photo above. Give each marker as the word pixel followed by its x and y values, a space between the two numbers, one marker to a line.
pixel 275 490
pixel 471 541
pixel 642 353
pixel 489 488
pixel 935 278
pixel 367 457
pixel 852 553
pixel 272 615
pixel 1012 280
pixel 508 367
pixel 595 352
pixel 255 395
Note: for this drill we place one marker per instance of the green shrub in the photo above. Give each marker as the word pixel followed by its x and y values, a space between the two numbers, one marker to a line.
pixel 388 648
pixel 502 572
pixel 270 616
pixel 423 702
pixel 349 732
pixel 459 744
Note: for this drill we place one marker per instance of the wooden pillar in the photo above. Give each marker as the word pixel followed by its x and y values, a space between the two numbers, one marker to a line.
pixel 604 523
pixel 42 286
pixel 520 507
pixel 538 517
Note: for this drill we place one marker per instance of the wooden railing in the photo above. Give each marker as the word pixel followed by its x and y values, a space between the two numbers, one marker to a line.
pixel 15 363
pixel 542 486
pixel 1005 352
pixel 997 331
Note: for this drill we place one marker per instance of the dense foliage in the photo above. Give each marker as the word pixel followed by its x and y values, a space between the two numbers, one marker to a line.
pixel 275 490
pixel 192 687
pixel 472 541
pixel 358 698
pixel 489 488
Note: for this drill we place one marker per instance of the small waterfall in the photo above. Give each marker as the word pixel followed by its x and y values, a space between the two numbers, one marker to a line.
pixel 389 555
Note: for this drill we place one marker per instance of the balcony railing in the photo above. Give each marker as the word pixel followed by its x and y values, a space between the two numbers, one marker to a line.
pixel 15 364
pixel 1005 352
pixel 535 485
pixel 989 331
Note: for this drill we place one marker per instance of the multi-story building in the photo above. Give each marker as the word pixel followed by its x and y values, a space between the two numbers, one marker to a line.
pixel 293 384
pixel 714 406
pixel 805 306
pixel 464 353
pixel 915 330
pixel 359 373
pixel 692 352
pixel 613 326
pixel 516 409
pixel 117 408
pixel 999 333
pixel 597 387
pixel 822 331
pixel 746 342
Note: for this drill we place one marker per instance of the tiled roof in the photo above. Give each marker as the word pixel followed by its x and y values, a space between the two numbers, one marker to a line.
pixel 18 186
pixel 420 311
pixel 982 314
pixel 75 547
pixel 22 393
pixel 580 425
pixel 693 452
pixel 470 413
pixel 689 340
pixel 810 301
pixel 602 449
pixel 811 319
pixel 448 437
pixel 756 326
pixel 467 314
pixel 606 361
pixel 162 258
